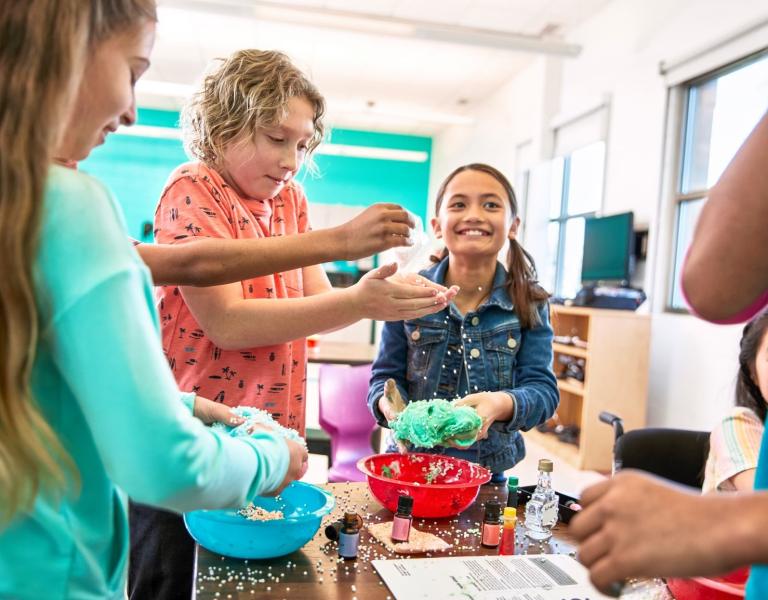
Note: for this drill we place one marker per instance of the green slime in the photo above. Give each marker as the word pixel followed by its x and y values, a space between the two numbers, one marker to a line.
pixel 430 423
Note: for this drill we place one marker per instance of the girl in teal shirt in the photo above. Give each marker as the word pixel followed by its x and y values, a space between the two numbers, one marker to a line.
pixel 89 411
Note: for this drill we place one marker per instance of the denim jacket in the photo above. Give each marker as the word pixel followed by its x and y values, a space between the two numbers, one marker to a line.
pixel 488 350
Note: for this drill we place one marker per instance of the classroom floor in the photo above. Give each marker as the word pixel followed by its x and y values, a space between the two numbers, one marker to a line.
pixel 566 478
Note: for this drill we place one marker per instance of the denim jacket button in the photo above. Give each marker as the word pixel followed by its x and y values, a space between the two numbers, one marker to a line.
pixel 511 342
pixel 475 321
pixel 474 353
pixel 416 335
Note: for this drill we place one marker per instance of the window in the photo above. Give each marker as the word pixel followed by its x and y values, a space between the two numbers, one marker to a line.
pixel 576 192
pixel 720 111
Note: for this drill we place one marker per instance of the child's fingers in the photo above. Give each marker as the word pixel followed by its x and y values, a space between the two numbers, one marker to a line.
pixel 414 313
pixel 404 291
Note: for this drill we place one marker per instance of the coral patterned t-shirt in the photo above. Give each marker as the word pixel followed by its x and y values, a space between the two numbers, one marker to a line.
pixel 197 202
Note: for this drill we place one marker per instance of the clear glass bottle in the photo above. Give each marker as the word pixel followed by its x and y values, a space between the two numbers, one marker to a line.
pixel 541 510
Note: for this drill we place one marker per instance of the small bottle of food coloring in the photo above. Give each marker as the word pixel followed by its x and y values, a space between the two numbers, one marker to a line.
pixel 491 525
pixel 401 525
pixel 349 535
pixel 507 545
pixel 512 492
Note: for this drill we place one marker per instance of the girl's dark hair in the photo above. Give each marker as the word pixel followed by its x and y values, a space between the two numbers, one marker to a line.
pixel 747 391
pixel 523 287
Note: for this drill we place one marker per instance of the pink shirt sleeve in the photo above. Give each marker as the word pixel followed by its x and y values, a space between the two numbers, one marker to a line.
pixel 745 315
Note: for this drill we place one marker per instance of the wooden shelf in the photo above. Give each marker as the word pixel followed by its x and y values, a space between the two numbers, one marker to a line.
pixel 571 350
pixel 577 389
pixel 548 441
pixel 616 380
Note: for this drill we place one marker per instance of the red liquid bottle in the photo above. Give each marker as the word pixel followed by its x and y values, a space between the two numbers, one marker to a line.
pixel 508 531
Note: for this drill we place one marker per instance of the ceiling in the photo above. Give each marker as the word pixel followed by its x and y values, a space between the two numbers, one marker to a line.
pixel 410 66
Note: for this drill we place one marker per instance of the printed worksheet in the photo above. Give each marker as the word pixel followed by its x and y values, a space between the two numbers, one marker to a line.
pixel 525 577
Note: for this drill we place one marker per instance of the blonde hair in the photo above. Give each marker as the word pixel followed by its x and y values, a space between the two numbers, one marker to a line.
pixel 41 60
pixel 113 16
pixel 248 91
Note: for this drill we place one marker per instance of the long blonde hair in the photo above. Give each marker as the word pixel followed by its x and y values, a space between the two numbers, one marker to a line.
pixel 248 91
pixel 41 59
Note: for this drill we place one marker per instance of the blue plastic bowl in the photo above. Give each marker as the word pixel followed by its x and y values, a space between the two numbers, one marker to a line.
pixel 228 533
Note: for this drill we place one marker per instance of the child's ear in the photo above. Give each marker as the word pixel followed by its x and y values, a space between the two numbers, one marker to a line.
pixel 436 228
pixel 513 228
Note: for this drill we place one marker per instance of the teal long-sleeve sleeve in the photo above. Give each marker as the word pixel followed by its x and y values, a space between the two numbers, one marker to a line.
pixel 149 443
pixel 101 381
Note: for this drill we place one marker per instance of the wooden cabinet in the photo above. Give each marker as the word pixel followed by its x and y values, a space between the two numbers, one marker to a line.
pixel 613 345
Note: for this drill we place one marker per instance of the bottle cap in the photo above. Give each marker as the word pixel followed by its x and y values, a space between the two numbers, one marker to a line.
pixel 332 531
pixel 352 520
pixel 545 465
pixel 492 510
pixel 512 482
pixel 509 512
pixel 405 504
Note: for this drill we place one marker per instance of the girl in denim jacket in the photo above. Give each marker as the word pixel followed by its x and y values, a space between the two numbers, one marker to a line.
pixel 491 348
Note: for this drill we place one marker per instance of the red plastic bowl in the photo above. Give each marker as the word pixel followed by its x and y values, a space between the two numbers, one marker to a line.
pixel 726 587
pixel 441 486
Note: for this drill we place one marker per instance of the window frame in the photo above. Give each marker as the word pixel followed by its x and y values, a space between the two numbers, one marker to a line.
pixel 563 217
pixel 683 138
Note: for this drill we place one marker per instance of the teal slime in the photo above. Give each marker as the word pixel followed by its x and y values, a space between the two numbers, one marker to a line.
pixel 430 423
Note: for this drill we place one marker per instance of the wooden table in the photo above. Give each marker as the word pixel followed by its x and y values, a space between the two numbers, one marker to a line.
pixel 341 353
pixel 315 572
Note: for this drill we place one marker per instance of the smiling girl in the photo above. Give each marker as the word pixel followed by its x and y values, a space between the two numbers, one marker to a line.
pixel 491 348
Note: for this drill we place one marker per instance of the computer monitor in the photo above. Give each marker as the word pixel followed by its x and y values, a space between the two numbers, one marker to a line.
pixel 608 245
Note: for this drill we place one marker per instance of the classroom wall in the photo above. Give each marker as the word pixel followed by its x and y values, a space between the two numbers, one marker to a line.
pixel 693 364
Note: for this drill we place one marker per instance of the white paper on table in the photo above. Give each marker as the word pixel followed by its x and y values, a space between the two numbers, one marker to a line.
pixel 524 577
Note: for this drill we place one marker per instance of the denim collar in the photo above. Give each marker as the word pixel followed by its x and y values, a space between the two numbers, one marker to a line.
pixel 499 295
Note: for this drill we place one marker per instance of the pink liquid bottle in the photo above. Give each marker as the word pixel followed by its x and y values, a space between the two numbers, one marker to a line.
pixel 401 524
pixel 491 525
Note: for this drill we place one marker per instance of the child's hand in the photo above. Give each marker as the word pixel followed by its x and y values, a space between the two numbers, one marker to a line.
pixel 297 466
pixel 416 279
pixel 491 406
pixel 386 409
pixel 383 299
pixel 377 228
pixel 210 412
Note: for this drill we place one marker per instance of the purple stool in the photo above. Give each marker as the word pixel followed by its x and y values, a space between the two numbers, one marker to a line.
pixel 345 416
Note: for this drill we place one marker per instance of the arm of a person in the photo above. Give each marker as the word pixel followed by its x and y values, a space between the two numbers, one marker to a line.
pixel 152 447
pixel 233 322
pixel 744 481
pixel 726 270
pixel 675 534
pixel 390 363
pixel 211 261
pixel 535 393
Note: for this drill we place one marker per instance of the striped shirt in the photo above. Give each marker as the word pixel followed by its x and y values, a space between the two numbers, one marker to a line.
pixel 733 447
